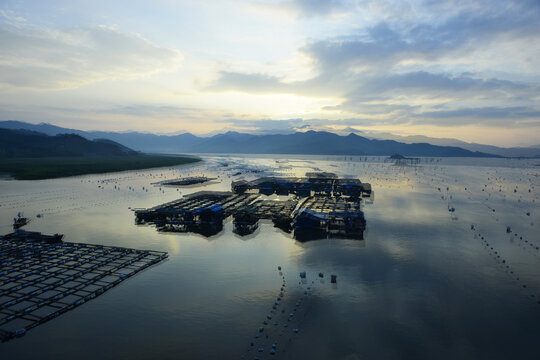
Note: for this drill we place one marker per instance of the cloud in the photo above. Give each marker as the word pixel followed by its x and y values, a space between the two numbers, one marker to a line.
pixel 151 111
pixel 396 70
pixel 462 87
pixel 392 47
pixel 303 8
pixel 378 47
pixel 266 123
pixel 252 83
pixel 325 85
pixel 287 126
pixel 364 62
pixel 317 7
pixel 385 44
pixel 379 94
pixel 445 82
pixel 489 115
pixel 44 58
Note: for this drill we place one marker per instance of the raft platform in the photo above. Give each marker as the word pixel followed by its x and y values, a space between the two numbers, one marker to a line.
pixel 42 277
pixel 313 183
pixel 318 206
pixel 185 181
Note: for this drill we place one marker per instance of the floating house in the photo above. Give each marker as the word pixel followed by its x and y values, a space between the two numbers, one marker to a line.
pixel 327 184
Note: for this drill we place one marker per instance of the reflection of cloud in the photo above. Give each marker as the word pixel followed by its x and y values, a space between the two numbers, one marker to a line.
pixel 174 247
pixel 46 58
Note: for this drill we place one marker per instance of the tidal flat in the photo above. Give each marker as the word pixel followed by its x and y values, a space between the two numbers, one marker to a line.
pixel 449 266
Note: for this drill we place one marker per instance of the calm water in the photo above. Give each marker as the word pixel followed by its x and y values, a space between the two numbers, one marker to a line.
pixel 422 285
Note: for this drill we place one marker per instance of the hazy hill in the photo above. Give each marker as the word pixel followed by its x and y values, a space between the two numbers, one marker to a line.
pixel 26 143
pixel 320 143
pixel 530 151
pixel 310 142
pixel 135 140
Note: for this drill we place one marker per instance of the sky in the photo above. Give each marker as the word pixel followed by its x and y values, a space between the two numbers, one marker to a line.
pixel 449 69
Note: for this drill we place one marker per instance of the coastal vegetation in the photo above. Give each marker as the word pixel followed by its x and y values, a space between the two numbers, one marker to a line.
pixel 30 155
pixel 56 167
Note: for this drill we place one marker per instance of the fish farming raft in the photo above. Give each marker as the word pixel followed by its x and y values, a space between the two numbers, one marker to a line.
pixel 185 181
pixel 314 183
pixel 317 206
pixel 41 277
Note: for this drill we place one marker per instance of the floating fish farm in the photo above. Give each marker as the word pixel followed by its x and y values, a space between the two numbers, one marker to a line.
pixel 401 160
pixel 314 183
pixel 319 205
pixel 41 277
pixel 193 180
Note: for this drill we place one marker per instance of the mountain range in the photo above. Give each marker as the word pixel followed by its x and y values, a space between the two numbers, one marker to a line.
pixel 32 144
pixel 530 151
pixel 310 142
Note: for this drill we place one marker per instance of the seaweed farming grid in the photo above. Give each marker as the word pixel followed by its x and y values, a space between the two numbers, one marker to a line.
pixel 41 277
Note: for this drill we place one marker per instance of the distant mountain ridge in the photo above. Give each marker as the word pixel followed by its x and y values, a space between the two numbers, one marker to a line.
pixel 310 142
pixel 529 151
pixel 28 143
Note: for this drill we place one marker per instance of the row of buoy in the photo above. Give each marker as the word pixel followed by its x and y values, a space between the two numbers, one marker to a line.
pixel 497 256
pixel 281 321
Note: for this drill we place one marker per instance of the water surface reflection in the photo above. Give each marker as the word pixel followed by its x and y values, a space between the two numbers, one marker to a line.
pixel 420 285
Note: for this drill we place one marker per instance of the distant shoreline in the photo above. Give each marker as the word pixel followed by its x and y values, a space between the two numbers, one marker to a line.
pixel 59 167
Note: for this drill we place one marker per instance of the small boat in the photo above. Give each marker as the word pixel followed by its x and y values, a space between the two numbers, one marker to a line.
pixel 19 222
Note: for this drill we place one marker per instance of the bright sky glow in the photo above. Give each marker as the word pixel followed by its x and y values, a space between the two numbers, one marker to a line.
pixel 463 69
